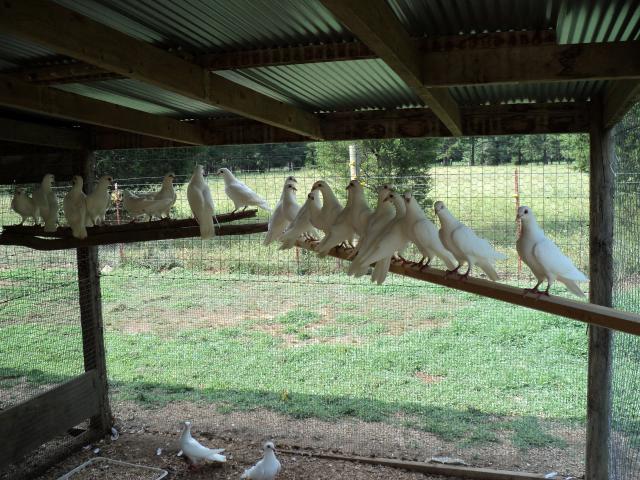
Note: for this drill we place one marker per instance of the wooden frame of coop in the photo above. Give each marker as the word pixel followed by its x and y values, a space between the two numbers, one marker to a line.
pixel 48 130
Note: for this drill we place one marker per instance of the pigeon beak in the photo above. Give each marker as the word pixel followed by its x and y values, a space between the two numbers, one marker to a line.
pixel 294 189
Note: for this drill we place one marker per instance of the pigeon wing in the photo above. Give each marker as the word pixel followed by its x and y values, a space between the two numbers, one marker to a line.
pixel 554 261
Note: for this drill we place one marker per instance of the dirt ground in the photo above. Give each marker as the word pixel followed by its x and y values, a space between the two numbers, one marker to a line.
pixel 144 431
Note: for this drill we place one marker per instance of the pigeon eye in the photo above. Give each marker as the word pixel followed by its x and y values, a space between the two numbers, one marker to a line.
pixel 526 211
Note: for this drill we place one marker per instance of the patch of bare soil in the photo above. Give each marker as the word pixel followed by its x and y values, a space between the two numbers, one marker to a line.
pixel 144 431
pixel 428 378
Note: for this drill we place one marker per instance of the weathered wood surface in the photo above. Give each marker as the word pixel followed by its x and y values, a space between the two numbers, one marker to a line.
pixel 581 311
pixel 109 238
pixel 36 134
pixel 619 98
pixel 65 232
pixel 30 424
pixel 601 213
pixel 424 467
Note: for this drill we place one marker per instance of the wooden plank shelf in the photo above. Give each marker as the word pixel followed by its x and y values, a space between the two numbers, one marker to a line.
pixel 34 237
pixel 575 310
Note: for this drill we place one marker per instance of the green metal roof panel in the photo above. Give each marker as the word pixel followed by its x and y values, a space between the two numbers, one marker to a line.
pixel 595 21
pixel 14 52
pixel 322 87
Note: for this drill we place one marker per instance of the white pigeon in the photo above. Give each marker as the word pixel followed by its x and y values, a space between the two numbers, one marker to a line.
pixel 331 208
pixel 267 468
pixel 46 204
pixel 284 213
pixel 195 451
pixel 201 203
pixel 75 208
pixel 23 205
pixel 349 222
pixel 98 201
pixel 391 239
pixel 381 216
pixel 241 195
pixel 544 258
pixel 166 193
pixel 424 234
pixel 301 225
pixel 137 205
pixel 465 245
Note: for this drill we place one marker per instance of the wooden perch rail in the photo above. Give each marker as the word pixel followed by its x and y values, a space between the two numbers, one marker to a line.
pixel 130 233
pixel 581 311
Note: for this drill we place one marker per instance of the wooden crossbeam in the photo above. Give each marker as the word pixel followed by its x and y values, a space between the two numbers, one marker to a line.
pixel 581 311
pixel 77 36
pixel 619 97
pixel 375 24
pixel 59 104
pixel 35 134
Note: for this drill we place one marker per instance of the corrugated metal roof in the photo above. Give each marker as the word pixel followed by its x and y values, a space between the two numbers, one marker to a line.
pixel 216 25
pixel 526 93
pixel 144 97
pixel 322 87
pixel 595 21
pixel 14 52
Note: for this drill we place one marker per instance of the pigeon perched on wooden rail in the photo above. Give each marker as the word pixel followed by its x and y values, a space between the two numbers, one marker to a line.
pixel 267 468
pixel 46 204
pixel 331 208
pixel 137 205
pixel 301 225
pixel 241 195
pixel 195 452
pixel 98 201
pixel 201 202
pixel 465 245
pixel 284 213
pixel 23 205
pixel 166 193
pixel 75 208
pixel 544 258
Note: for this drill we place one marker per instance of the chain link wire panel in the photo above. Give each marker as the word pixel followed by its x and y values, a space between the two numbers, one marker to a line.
pixel 625 421
pixel 265 335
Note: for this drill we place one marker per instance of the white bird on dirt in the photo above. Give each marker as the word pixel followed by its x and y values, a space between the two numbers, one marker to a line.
pixel 424 234
pixel 195 452
pixel 201 202
pixel 23 205
pixel 391 239
pixel 544 258
pixel 75 208
pixel 301 224
pixel 46 204
pixel 349 222
pixel 241 195
pixel 166 193
pixel 284 213
pixel 465 245
pixel 98 201
pixel 267 468
pixel 331 208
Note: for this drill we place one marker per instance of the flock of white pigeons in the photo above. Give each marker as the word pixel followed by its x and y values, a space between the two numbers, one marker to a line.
pixel 382 233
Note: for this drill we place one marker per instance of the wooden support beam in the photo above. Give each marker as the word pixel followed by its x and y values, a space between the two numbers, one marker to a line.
pixel 425 467
pixel 601 216
pixel 35 134
pixel 375 24
pixel 581 311
pixel 59 104
pixel 28 425
pixel 84 39
pixel 31 167
pixel 160 232
pixel 619 97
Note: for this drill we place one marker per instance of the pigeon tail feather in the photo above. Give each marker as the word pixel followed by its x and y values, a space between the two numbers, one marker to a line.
pixel 489 270
pixel 573 287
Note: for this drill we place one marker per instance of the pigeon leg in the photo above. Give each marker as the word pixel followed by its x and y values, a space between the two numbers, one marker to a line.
pixel 465 275
pixel 533 290
pixel 426 265
pixel 447 273
pixel 419 263
pixel 244 208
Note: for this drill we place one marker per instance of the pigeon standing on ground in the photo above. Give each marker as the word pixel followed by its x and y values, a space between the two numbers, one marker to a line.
pixel 166 193
pixel 348 221
pixel 46 204
pixel 465 245
pixel 98 201
pixel 544 258
pixel 241 195
pixel 195 452
pixel 331 208
pixel 201 203
pixel 75 208
pixel 267 468
pixel 284 213
pixel 137 205
pixel 424 234
pixel 301 225
pixel 23 205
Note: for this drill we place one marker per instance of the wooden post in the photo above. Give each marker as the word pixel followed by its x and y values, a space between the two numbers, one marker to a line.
pixel 600 292
pixel 91 314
